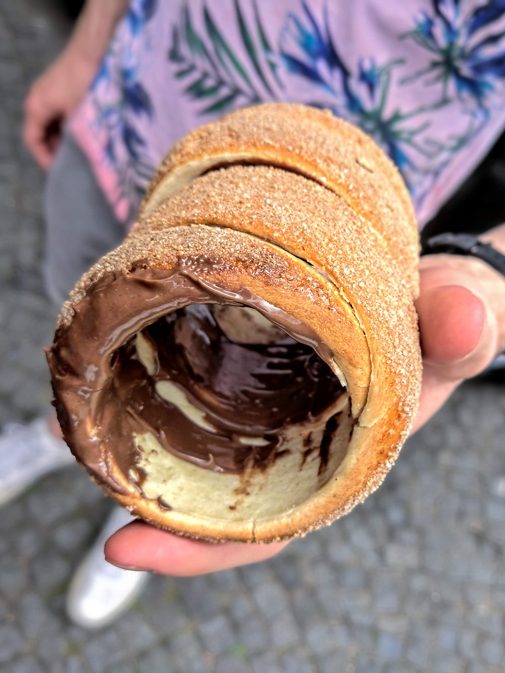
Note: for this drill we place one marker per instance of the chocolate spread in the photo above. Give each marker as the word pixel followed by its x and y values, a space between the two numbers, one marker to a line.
pixel 105 393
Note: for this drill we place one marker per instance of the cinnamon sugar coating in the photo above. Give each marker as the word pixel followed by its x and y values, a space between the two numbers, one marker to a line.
pixel 313 143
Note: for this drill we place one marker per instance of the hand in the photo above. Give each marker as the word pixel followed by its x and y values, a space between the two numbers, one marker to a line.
pixel 462 322
pixel 50 101
pixel 139 546
pixel 461 311
pixel 60 89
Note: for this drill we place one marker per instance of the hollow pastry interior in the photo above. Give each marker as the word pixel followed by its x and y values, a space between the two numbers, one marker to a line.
pixel 221 391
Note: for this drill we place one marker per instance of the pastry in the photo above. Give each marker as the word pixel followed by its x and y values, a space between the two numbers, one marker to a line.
pixel 246 365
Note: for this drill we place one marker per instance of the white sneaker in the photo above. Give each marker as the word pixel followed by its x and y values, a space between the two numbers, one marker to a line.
pixel 28 452
pixel 99 591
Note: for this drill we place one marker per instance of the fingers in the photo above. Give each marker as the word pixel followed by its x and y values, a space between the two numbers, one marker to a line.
pixel 452 321
pixel 458 339
pixel 458 328
pixel 37 134
pixel 141 547
pixel 434 393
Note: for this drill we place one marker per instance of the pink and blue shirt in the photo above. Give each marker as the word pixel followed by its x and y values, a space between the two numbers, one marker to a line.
pixel 425 78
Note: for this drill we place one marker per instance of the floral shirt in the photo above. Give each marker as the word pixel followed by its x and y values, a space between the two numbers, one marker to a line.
pixel 425 78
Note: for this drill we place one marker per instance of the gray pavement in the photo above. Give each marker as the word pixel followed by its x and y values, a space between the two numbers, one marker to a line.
pixel 412 581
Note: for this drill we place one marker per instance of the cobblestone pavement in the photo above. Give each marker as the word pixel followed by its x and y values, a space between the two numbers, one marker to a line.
pixel 414 580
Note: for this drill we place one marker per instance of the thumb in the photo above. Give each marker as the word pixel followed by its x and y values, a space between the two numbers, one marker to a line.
pixel 458 331
pixel 458 340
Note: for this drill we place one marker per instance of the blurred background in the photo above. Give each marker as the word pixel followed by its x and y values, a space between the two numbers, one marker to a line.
pixel 412 581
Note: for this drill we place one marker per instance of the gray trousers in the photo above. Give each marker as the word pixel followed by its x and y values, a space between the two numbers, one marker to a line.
pixel 80 224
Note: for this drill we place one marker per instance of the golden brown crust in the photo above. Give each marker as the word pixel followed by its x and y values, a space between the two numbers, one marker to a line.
pixel 311 251
pixel 281 278
pixel 313 143
pixel 236 261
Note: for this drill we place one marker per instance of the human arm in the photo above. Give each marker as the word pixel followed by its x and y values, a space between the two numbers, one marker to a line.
pixel 61 87
pixel 462 322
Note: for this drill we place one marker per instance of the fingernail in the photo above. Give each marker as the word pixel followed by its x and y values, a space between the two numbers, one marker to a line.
pixel 443 362
pixel 460 325
pixel 124 567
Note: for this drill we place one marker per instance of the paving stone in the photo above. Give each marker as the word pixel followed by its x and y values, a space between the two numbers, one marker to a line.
pixel 285 565
pixel 50 573
pixel 24 399
pixel 256 575
pixel 103 650
pixel 396 624
pixel 468 643
pixel 217 634
pixel 493 651
pixel 201 602
pixel 324 637
pixel 339 661
pixel 45 504
pixel 266 663
pixel 352 577
pixel 136 633
pixel 230 663
pixel 28 541
pixel 153 661
pixel 12 577
pixel 306 607
pixel 242 608
pixel 480 668
pixel 7 613
pixel 387 597
pixel 389 646
pixel 32 616
pixel 448 637
pixel 75 664
pixel 450 664
pixel 253 634
pixel 227 581
pixel 71 534
pixel 340 551
pixel 24 665
pixel 71 664
pixel 485 618
pixel 362 541
pixel 161 609
pixel 187 654
pixel 11 642
pixel 285 631
pixel 52 650
pixel 402 556
pixel 400 667
pixel 81 495
pixel 297 661
pixel 271 599
pixel 361 638
pixel 337 600
pixel 128 667
pixel 14 515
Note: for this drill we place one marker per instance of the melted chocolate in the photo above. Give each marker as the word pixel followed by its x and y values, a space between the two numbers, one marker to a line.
pixel 244 390
pixel 104 394
pixel 328 434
